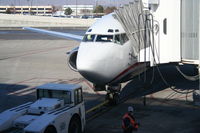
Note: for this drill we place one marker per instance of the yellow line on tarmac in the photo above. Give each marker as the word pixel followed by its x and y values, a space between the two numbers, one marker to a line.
pixel 96 107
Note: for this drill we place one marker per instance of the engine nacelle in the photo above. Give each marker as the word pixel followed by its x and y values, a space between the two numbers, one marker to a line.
pixel 72 59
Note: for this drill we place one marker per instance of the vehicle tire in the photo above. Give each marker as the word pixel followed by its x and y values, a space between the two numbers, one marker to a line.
pixel 107 97
pixel 50 129
pixel 116 99
pixel 75 125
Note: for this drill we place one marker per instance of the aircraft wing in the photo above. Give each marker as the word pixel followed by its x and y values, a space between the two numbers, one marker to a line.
pixel 56 34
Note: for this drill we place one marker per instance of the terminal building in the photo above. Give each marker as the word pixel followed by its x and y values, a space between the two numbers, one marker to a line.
pixel 80 9
pixel 34 10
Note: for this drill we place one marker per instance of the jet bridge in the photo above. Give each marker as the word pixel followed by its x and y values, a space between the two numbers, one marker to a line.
pixel 154 29
pixel 162 31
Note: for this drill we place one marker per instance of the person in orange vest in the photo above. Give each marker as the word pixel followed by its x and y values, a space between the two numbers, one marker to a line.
pixel 128 122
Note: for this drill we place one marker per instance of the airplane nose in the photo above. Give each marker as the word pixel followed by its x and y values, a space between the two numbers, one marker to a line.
pixel 96 63
pixel 92 64
pixel 92 71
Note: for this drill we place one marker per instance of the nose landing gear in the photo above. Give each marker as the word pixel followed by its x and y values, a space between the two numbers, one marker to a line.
pixel 113 94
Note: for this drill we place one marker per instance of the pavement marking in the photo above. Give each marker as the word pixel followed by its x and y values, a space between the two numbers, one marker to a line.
pixel 97 106
pixel 32 52
pixel 26 93
pixel 31 89
pixel 24 81
pixel 21 91
pixel 2 32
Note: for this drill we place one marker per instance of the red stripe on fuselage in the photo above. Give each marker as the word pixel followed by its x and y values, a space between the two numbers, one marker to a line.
pixel 125 71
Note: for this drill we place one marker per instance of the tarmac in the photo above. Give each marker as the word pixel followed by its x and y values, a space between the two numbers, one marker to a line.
pixel 29 59
pixel 158 116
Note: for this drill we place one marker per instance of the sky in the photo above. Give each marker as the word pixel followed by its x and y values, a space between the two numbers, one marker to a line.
pixel 64 2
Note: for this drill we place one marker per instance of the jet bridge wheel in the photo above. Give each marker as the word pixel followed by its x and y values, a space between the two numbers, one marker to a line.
pixel 75 125
pixel 50 129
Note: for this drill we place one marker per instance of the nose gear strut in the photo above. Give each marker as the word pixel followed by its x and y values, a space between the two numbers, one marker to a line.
pixel 113 94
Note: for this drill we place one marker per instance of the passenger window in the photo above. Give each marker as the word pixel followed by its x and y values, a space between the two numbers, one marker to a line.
pixel 104 38
pixel 89 38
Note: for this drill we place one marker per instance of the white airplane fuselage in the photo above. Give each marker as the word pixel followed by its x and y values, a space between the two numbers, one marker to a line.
pixel 104 61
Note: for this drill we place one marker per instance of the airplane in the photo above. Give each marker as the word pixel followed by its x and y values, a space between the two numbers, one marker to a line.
pixel 104 57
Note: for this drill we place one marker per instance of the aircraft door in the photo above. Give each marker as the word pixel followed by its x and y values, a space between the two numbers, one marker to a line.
pixel 132 57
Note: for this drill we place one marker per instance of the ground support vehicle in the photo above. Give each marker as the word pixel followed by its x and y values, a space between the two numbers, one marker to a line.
pixel 59 108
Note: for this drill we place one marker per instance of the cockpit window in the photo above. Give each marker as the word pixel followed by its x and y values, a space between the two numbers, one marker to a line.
pixel 118 38
pixel 121 39
pixel 89 38
pixel 104 38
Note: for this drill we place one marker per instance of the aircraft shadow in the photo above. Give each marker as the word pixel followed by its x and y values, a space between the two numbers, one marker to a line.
pixel 10 95
pixel 138 86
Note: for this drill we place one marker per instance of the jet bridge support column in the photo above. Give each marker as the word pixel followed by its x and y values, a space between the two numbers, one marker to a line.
pixel 197 102
pixel 196 94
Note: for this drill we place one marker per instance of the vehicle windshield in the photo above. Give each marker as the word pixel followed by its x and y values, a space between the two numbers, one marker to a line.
pixel 104 38
pixel 63 95
pixel 89 38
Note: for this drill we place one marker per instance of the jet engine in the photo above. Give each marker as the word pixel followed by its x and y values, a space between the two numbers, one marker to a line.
pixel 72 56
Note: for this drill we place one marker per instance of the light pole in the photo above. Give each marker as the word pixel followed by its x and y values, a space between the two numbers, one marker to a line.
pixel 96 3
pixel 76 8
pixel 64 8
pixel 31 7
pixel 37 7
pixel 28 1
